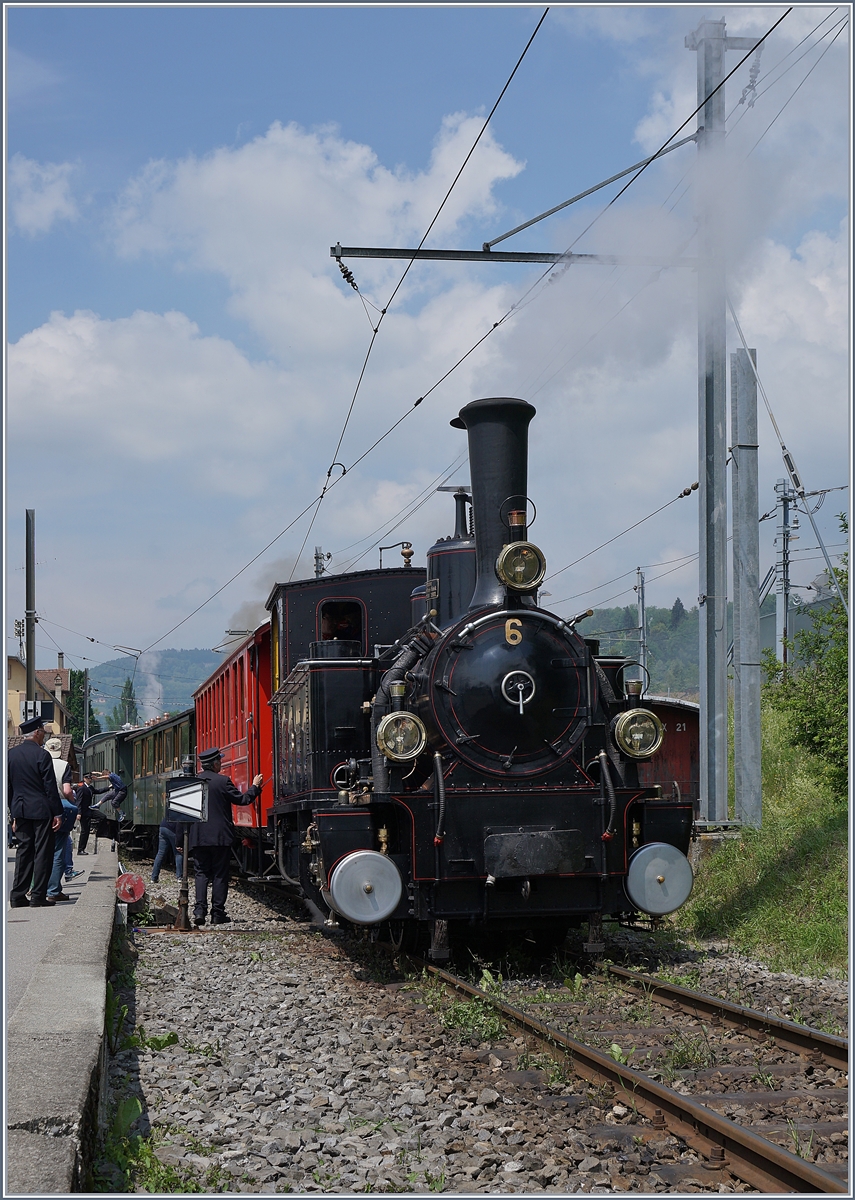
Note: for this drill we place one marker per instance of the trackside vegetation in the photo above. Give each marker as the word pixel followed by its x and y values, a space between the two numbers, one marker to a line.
pixel 780 892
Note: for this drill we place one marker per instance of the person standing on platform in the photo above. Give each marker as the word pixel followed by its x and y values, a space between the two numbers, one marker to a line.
pixel 211 841
pixel 61 840
pixel 35 807
pixel 62 769
pixel 83 799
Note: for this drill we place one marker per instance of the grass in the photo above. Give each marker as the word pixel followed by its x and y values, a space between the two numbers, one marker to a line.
pixel 780 892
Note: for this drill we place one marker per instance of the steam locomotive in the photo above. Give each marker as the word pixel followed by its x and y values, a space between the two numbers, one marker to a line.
pixel 444 757
pixel 486 771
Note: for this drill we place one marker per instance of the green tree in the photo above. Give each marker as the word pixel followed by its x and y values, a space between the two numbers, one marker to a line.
pixel 814 692
pixel 126 711
pixel 75 709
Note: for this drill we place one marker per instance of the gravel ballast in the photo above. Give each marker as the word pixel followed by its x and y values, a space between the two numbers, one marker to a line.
pixel 300 1069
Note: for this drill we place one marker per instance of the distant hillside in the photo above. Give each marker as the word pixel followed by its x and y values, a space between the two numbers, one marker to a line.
pixel 164 681
pixel 672 642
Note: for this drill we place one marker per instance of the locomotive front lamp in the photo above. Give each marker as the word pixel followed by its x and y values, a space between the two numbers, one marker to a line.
pixel 638 733
pixel 521 566
pixel 401 736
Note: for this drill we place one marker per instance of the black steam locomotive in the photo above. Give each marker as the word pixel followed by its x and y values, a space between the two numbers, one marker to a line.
pixel 480 772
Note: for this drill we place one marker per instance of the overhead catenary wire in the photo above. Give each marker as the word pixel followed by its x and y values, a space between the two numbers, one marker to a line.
pixel 680 495
pixel 797 89
pixel 388 304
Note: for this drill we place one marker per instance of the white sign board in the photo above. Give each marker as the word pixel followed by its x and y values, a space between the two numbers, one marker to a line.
pixel 188 801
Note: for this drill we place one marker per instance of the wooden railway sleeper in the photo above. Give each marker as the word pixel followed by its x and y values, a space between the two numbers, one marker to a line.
pixel 751 1158
pixel 818 1046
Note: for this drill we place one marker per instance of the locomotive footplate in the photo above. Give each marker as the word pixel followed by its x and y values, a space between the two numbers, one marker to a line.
pixel 526 852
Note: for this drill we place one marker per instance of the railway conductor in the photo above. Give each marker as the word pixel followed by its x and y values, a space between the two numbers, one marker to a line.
pixel 211 840
pixel 36 811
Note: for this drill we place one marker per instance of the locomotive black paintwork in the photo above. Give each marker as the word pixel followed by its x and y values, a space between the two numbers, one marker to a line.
pixel 521 813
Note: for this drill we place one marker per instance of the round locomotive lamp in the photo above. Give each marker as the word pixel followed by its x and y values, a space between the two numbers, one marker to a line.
pixel 365 887
pixel 659 879
pixel 521 566
pixel 638 733
pixel 401 736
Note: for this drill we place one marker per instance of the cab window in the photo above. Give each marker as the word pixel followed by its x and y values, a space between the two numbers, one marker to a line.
pixel 341 619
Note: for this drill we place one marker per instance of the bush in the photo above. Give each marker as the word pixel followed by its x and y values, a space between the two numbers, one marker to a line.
pixel 815 693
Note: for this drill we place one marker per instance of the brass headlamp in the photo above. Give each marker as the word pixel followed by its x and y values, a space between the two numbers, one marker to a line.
pixel 401 736
pixel 638 732
pixel 521 566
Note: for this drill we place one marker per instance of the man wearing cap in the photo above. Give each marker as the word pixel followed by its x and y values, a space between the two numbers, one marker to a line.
pixel 211 840
pixel 36 810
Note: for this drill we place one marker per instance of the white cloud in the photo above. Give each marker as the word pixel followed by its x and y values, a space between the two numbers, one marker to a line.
pixel 264 215
pixel 40 194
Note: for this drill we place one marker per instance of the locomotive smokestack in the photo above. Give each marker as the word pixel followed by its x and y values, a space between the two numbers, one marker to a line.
pixel 498 464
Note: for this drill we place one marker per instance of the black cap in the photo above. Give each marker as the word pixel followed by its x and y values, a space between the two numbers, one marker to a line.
pixel 206 756
pixel 32 724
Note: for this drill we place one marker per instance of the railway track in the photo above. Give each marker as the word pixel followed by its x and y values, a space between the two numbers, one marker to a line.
pixel 738 1134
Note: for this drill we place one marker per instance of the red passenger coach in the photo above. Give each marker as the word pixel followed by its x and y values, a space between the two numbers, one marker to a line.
pixel 233 712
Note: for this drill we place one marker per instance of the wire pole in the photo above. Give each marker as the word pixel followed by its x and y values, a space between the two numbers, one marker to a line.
pixel 786 496
pixel 642 626
pixel 85 703
pixel 30 611
pixel 710 41
pixel 746 591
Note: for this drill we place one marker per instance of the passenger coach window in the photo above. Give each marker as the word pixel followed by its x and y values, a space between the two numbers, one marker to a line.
pixel 341 619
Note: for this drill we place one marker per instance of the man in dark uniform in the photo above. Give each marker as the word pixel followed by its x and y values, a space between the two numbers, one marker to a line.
pixel 35 807
pixel 211 840
pixel 83 800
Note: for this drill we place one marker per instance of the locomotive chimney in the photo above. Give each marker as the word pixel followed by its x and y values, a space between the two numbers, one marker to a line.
pixel 498 463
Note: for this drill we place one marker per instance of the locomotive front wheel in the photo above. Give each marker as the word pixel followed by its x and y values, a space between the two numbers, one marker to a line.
pixel 404 936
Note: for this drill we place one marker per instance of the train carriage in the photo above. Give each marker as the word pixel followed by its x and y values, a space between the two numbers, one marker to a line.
pixel 233 712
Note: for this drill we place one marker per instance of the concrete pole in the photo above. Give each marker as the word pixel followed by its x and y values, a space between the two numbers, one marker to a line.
pixel 85 703
pixel 709 41
pixel 30 611
pixel 746 591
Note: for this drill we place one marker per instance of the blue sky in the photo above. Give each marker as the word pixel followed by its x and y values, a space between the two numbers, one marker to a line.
pixel 181 342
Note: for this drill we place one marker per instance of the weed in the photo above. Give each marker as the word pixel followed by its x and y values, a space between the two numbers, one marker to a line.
pixel 691 1053
pixel 207 1051
pixel 574 984
pixel 128 1163
pixel 800 1148
pixel 557 1073
pixel 474 1019
pixel 619 1055
pixel 435 1183
pixel 255 956
pixel 144 1041
pixel 764 1078
pixel 114 1018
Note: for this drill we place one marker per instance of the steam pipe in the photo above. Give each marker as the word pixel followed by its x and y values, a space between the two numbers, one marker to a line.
pixel 498 461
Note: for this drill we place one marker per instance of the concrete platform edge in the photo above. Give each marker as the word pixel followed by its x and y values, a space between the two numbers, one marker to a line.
pixel 56 1051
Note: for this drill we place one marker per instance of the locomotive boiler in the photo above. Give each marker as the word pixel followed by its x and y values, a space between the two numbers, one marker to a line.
pixel 451 758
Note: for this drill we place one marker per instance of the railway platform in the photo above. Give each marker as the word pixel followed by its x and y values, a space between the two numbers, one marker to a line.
pixel 55 993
